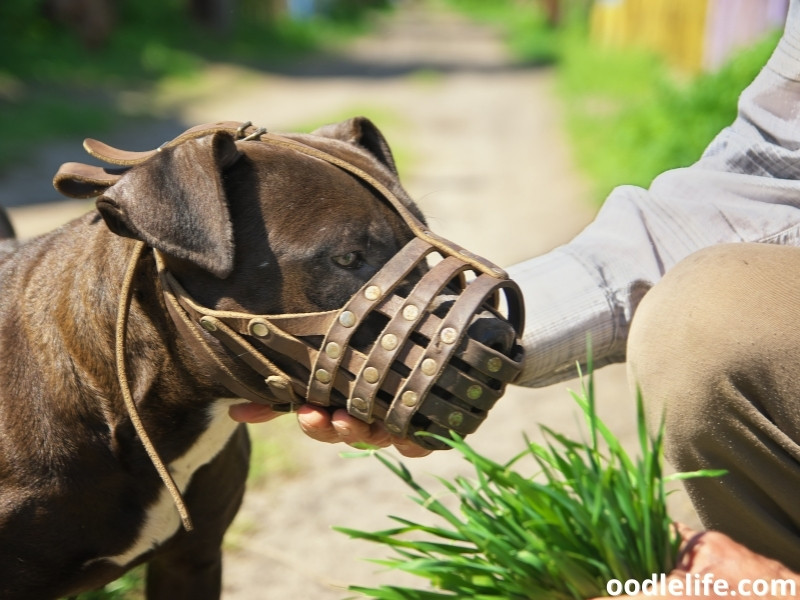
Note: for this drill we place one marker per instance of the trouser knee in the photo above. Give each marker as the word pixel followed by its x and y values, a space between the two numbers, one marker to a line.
pixel 715 350
pixel 684 341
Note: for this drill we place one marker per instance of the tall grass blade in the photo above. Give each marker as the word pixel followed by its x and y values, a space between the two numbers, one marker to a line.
pixel 591 514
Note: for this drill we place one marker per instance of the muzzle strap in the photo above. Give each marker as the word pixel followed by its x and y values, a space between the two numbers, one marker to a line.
pixel 436 356
pixel 400 350
pixel 391 344
pixel 338 337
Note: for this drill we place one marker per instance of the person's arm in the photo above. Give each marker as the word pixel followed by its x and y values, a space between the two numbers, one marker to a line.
pixel 745 188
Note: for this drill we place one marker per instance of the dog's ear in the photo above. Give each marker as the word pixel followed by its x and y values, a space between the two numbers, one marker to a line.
pixel 361 132
pixel 175 202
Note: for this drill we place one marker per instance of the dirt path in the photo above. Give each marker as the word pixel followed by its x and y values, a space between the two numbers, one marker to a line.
pixel 480 148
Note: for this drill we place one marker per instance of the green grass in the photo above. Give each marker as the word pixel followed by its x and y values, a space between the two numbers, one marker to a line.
pixel 630 118
pixel 524 27
pixel 591 514
pixel 51 86
pixel 128 587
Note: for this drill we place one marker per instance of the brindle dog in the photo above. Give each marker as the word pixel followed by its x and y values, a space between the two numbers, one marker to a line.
pixel 244 226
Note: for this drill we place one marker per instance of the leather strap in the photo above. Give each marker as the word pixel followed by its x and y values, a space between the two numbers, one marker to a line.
pixel 123 312
pixel 404 376
pixel 246 131
pixel 77 180
pixel 208 358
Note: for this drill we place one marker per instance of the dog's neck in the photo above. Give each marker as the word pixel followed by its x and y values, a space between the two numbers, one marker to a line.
pixel 171 393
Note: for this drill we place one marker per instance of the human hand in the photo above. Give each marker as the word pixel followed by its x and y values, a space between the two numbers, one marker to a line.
pixel 339 426
pixel 709 557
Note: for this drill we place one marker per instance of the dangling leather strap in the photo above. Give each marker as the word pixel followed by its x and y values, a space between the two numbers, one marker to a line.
pixel 122 376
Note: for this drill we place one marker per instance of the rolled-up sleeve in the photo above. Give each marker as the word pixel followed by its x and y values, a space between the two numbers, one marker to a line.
pixel 745 188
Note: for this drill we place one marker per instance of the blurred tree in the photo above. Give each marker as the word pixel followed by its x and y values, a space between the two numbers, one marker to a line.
pixel 92 20
pixel 264 11
pixel 552 10
pixel 347 9
pixel 215 15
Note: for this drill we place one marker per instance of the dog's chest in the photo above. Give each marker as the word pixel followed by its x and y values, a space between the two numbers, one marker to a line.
pixel 161 519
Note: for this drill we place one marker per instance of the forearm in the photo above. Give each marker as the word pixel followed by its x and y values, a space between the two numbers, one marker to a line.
pixel 745 188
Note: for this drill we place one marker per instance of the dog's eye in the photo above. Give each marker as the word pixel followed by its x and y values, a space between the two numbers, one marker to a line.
pixel 350 260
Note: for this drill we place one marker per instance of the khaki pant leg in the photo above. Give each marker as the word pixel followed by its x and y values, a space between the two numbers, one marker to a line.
pixel 715 349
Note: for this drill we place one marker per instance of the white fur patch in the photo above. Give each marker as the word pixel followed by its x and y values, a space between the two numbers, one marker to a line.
pixel 162 520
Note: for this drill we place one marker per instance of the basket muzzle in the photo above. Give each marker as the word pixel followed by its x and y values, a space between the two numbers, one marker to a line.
pixel 399 353
pixel 402 350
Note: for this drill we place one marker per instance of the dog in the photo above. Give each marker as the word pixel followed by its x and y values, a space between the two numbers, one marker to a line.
pixel 243 226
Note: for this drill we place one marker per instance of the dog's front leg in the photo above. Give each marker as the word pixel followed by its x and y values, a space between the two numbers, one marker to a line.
pixel 189 566
pixel 179 576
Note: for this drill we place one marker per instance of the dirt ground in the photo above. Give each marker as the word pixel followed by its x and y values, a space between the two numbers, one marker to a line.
pixel 481 149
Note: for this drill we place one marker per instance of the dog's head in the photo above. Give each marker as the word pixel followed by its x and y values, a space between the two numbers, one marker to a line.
pixel 259 228
pixel 253 228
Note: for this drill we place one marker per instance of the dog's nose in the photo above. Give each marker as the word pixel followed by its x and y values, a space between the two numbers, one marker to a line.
pixel 485 327
pixel 492 332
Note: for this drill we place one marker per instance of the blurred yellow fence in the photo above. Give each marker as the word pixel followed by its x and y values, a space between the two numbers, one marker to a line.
pixel 693 35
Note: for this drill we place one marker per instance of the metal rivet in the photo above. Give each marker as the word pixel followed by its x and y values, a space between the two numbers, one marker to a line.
pixel 371 375
pixel 259 328
pixel 208 323
pixel 389 341
pixel 410 312
pixel 323 376
pixel 347 318
pixel 373 292
pixel 474 392
pixel 455 418
pixel 409 398
pixel 333 350
pixel 359 403
pixel 429 366
pixel 494 364
pixel 448 335
pixel 393 428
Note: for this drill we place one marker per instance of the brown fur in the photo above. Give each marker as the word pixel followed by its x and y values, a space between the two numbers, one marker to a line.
pixel 245 226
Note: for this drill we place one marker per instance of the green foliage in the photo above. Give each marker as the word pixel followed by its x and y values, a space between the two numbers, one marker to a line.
pixel 52 85
pixel 631 119
pixel 592 514
pixel 151 39
pixel 128 587
pixel 530 38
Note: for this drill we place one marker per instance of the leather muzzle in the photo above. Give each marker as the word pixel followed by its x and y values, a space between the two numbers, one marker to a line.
pixel 395 352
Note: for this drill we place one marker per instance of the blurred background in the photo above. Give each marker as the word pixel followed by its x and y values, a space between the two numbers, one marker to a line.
pixel 510 120
pixel 661 72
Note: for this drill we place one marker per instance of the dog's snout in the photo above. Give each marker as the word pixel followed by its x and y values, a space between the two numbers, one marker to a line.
pixel 493 333
pixel 485 328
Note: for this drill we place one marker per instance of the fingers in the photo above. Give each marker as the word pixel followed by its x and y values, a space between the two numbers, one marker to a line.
pixel 686 532
pixel 250 412
pixel 689 541
pixel 322 426
pixel 408 448
pixel 318 424
pixel 343 427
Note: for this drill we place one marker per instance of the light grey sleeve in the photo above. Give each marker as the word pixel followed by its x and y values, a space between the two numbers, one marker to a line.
pixel 745 188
